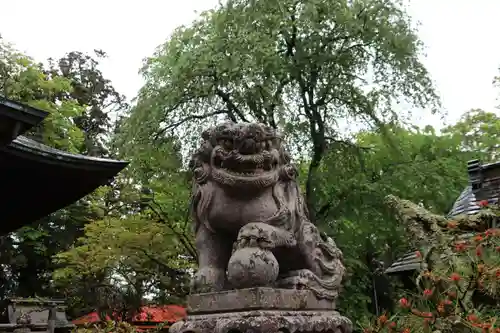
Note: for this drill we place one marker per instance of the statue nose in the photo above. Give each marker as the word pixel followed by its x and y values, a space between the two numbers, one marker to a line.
pixel 248 146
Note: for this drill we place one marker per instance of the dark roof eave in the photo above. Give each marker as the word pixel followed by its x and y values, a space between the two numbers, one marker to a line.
pixel 492 165
pixel 35 150
pixel 21 112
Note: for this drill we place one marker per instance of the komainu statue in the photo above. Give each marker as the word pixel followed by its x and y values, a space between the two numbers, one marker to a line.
pixel 251 223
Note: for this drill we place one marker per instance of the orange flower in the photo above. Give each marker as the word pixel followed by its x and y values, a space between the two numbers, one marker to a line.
pixel 406 330
pixel 478 238
pixel 451 225
pixel 455 277
pixel 382 319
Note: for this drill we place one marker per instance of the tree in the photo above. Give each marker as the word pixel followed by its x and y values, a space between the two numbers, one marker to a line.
pixel 91 89
pixel 23 80
pixel 419 164
pixel 143 246
pixel 478 131
pixel 69 95
pixel 295 65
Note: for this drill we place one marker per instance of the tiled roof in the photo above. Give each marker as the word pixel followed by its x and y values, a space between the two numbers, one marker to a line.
pixel 484 184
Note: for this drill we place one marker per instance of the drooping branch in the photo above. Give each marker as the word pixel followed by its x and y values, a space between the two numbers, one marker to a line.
pixel 186 119
pixel 181 236
pixel 165 267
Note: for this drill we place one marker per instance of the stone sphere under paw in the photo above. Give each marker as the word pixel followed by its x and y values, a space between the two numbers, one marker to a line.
pixel 252 267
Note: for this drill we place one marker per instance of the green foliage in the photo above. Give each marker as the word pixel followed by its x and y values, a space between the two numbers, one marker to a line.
pixel 478 131
pixel 107 327
pixel 143 248
pixel 23 80
pixel 416 163
pixel 298 66
pixel 461 290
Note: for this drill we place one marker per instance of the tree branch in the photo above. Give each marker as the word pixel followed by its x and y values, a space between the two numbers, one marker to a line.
pixel 182 238
pixel 186 119
pixel 169 270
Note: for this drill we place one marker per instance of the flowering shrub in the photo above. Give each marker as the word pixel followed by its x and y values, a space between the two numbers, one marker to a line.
pixel 107 327
pixel 460 292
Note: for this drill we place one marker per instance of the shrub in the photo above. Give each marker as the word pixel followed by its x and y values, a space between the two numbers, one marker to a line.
pixel 460 289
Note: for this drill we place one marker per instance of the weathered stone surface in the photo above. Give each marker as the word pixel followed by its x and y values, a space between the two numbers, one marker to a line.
pixel 245 195
pixel 265 322
pixel 257 299
pixel 252 231
pixel 252 266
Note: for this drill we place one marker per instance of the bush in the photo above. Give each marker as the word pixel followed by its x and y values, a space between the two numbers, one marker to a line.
pixel 107 327
pixel 460 289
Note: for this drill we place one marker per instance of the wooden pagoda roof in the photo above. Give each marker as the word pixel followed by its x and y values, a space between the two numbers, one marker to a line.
pixel 484 184
pixel 37 180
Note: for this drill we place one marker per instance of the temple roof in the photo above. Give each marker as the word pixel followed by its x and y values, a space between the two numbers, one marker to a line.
pixel 484 184
pixel 36 179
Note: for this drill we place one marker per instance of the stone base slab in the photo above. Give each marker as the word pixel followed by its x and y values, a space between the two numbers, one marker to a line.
pixel 256 299
pixel 266 321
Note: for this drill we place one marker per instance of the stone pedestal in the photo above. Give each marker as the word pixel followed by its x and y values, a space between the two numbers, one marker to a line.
pixel 261 310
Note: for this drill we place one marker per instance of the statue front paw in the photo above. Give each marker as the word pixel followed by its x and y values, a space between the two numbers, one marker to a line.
pixel 264 236
pixel 208 279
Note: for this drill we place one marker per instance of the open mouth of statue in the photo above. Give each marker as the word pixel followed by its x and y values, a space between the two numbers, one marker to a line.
pixel 251 158
pixel 245 165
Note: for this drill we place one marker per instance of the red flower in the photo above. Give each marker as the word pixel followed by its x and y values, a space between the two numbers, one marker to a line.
pixel 478 238
pixel 483 203
pixel 472 318
pixel 479 251
pixel 403 302
pixel 455 277
pixel 418 254
pixel 427 292
pixel 392 325
pixel 460 247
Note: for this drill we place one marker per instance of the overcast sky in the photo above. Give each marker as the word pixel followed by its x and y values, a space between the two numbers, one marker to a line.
pixel 461 36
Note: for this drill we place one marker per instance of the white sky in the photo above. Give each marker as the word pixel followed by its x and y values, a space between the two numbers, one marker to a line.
pixel 460 35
